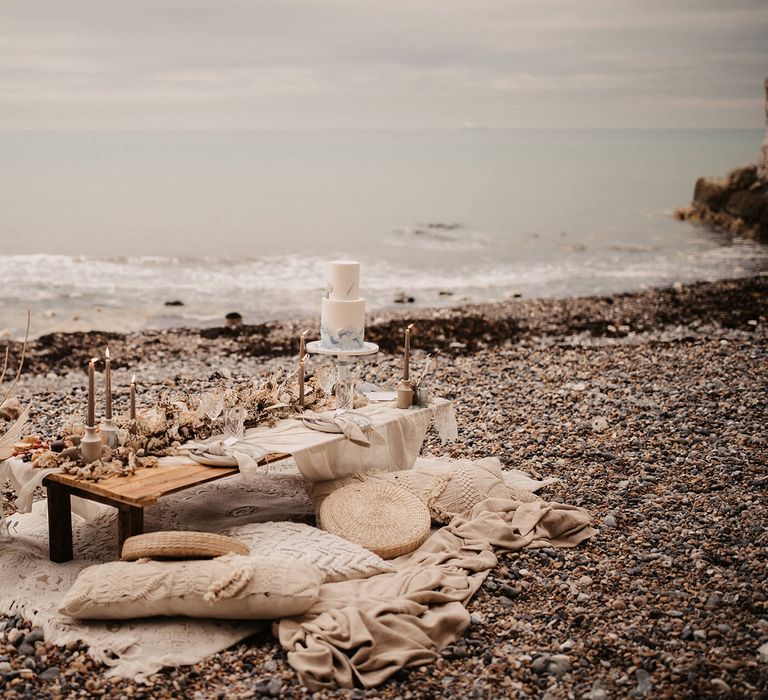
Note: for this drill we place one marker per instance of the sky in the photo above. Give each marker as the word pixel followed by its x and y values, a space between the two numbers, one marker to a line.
pixel 394 64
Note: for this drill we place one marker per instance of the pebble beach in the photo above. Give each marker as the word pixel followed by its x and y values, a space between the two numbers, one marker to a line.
pixel 649 407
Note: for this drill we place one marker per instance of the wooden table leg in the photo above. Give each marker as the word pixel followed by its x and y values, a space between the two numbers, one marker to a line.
pixel 59 523
pixel 130 522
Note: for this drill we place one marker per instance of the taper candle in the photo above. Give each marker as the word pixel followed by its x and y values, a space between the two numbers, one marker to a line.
pixel 301 370
pixel 107 386
pixel 301 344
pixel 132 411
pixel 407 353
pixel 91 418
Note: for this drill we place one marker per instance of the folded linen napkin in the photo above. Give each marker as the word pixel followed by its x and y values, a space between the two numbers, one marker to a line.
pixel 246 455
pixel 351 430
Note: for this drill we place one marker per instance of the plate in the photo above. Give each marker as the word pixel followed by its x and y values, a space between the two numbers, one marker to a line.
pixel 381 395
pixel 326 425
pixel 322 425
pixel 210 460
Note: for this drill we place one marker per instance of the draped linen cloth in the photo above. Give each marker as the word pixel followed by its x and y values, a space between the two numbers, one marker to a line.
pixel 395 436
pixel 361 632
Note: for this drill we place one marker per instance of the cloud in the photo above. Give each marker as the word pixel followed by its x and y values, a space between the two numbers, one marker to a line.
pixel 229 64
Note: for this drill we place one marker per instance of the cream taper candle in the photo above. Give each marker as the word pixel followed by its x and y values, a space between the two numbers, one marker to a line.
pixel 107 386
pixel 132 410
pixel 91 418
pixel 407 353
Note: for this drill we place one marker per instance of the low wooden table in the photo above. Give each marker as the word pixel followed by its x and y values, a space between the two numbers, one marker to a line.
pixel 129 494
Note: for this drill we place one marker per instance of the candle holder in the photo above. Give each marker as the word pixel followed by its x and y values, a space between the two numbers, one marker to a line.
pixel 109 433
pixel 404 394
pixel 345 385
pixel 90 445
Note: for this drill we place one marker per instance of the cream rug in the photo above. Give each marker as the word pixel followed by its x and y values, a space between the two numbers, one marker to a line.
pixel 31 585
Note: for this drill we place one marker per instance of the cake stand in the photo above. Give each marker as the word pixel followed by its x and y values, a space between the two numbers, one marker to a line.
pixel 344 359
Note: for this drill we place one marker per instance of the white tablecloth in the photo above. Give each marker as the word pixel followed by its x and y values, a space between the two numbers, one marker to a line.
pixel 396 438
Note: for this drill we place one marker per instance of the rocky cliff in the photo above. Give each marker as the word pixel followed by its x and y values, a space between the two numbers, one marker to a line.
pixel 737 203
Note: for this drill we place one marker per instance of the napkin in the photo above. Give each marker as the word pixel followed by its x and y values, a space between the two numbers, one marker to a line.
pixel 351 430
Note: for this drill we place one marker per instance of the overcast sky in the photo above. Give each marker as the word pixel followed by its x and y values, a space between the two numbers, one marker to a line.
pixel 304 64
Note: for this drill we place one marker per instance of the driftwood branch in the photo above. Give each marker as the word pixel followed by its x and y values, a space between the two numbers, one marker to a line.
pixel 21 361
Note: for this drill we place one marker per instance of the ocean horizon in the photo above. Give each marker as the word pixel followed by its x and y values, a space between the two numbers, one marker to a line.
pixel 101 230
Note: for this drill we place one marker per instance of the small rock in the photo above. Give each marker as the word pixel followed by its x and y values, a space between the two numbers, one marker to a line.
pixel 609 521
pixel 5 667
pixel 597 692
pixel 234 319
pixel 578 386
pixel 540 663
pixel 58 446
pixel 721 686
pixel 762 654
pixel 49 674
pixel 476 618
pixel 713 602
pixel 26 649
pixel 10 408
pixel 175 302
pixel 618 604
pixel 509 591
pixel 644 684
pixel 585 581
pixel 34 635
pixel 559 664
pixel 274 686
pixel 15 635
pixel 599 424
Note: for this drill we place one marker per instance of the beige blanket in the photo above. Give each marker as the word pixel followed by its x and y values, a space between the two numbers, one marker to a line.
pixel 361 632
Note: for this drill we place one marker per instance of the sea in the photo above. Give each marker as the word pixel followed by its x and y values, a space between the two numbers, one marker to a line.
pixel 104 230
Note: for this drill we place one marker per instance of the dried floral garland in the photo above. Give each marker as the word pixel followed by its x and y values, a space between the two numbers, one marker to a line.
pixel 181 416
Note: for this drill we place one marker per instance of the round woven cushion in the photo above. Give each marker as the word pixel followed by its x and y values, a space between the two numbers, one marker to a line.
pixel 383 517
pixel 180 544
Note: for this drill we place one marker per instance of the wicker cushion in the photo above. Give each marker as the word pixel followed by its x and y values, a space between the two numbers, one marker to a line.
pixel 180 544
pixel 232 587
pixel 378 515
pixel 338 559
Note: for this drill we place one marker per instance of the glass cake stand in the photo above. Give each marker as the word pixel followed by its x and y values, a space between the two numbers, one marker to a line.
pixel 344 359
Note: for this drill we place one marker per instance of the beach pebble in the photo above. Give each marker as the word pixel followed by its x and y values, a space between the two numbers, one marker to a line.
pixel 609 521
pixel 10 409
pixel 644 684
pixel 762 654
pixel 599 424
pixel 34 635
pixel 49 674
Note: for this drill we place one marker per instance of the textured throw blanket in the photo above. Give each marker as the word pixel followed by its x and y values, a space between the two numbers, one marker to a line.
pixel 361 632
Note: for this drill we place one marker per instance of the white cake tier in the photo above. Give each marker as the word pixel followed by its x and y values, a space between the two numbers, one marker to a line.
pixel 342 324
pixel 344 280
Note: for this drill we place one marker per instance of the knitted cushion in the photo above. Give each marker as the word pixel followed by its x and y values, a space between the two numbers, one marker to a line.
pixel 426 487
pixel 180 545
pixel 338 559
pixel 380 516
pixel 469 483
pixel 232 587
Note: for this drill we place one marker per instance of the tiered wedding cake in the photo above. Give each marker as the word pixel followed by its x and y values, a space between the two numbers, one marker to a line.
pixel 342 317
